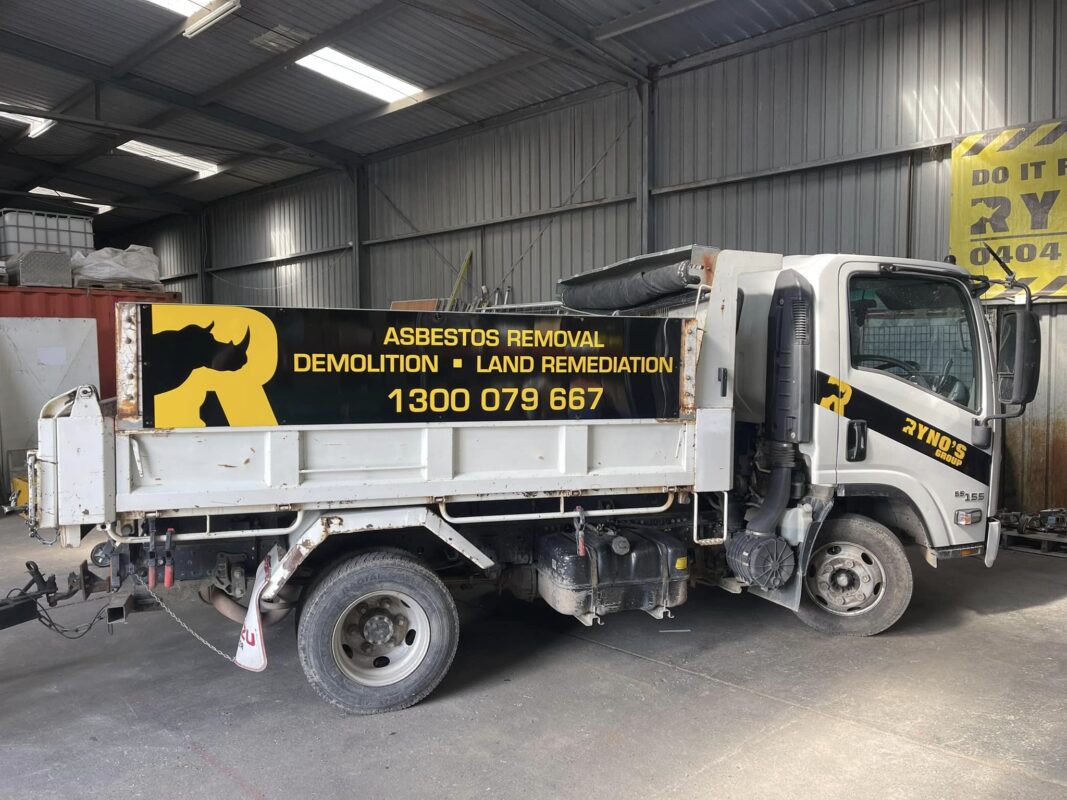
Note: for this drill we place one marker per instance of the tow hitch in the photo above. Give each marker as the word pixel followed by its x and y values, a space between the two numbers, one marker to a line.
pixel 23 605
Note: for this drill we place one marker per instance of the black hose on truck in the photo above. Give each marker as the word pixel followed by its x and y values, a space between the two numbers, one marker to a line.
pixel 628 291
pixel 758 556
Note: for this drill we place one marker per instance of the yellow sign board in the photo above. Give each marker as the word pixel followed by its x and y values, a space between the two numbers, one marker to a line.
pixel 1009 189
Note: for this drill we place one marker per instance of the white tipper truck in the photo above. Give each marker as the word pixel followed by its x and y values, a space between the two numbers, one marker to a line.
pixel 777 425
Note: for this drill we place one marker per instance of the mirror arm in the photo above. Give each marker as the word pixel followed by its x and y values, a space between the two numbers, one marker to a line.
pixel 1011 281
pixel 984 421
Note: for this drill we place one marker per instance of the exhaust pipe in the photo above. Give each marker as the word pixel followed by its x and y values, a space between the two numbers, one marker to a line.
pixel 272 613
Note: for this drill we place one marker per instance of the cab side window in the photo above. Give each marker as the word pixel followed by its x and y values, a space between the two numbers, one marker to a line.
pixel 918 329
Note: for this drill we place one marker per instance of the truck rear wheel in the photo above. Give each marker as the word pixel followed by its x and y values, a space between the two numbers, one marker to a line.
pixel 858 581
pixel 377 633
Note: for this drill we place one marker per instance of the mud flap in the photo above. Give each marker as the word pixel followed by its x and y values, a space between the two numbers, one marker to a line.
pixel 992 542
pixel 790 595
pixel 251 647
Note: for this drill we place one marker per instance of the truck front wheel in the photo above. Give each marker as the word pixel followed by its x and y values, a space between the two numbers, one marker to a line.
pixel 378 633
pixel 858 581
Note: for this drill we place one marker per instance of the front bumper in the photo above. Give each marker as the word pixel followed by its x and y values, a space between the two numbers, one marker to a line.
pixel 989 549
pixel 934 555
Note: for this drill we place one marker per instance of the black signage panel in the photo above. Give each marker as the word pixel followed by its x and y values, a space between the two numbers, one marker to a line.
pixel 237 366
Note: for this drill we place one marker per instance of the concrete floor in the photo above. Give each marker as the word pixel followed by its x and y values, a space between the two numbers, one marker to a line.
pixel 965 698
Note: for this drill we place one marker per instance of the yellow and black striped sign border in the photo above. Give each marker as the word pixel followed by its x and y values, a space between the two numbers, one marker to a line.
pixel 1005 140
pixel 1040 134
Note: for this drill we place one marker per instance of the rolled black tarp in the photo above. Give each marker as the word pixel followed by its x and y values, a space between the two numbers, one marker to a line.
pixel 628 291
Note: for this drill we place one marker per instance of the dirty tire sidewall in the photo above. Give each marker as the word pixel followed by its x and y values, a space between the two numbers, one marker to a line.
pixel 883 544
pixel 368 572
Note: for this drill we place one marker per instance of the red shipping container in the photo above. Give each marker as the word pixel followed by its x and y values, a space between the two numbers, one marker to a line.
pixel 98 304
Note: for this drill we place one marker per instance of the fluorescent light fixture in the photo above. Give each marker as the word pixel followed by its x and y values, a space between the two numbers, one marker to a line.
pixel 37 125
pixel 360 76
pixel 184 7
pixel 44 190
pixel 197 165
pixel 209 15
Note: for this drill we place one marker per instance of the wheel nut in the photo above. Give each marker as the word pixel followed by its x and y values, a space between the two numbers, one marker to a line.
pixel 850 563
pixel 362 608
pixel 352 630
pixel 866 578
pixel 400 622
pixel 385 602
pixel 365 647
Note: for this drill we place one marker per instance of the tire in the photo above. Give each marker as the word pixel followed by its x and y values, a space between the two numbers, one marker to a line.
pixel 865 598
pixel 377 633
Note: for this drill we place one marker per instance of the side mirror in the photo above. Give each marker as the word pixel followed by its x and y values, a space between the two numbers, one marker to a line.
pixel 1018 356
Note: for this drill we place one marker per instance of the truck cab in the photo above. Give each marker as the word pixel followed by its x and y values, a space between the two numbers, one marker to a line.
pixel 907 400
pixel 905 391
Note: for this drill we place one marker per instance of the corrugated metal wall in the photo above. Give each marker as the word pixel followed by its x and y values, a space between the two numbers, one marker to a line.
pixel 291 245
pixel 501 192
pixel 867 91
pixel 859 207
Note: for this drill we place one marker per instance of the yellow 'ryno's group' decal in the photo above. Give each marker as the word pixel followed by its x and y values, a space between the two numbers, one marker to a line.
pixel 837 401
pixel 894 423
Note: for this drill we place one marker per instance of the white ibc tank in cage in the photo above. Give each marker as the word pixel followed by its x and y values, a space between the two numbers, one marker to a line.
pixel 36 230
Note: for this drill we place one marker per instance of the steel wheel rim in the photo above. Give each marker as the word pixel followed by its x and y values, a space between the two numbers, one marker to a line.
pixel 845 579
pixel 381 638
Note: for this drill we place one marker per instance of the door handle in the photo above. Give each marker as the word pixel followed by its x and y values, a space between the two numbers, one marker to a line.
pixel 856 445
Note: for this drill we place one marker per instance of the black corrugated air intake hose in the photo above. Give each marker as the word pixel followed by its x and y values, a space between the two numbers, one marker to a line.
pixel 629 291
pixel 758 556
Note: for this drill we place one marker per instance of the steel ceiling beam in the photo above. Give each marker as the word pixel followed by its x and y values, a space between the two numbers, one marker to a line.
pixel 513 64
pixel 289 57
pixel 474 17
pixel 823 22
pixel 138 56
pixel 47 171
pixel 148 132
pixel 546 16
pixel 57 58
pixel 73 204
pixel 519 114
pixel 273 64
pixel 224 167
pixel 663 10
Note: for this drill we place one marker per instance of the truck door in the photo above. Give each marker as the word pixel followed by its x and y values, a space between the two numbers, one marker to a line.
pixel 911 382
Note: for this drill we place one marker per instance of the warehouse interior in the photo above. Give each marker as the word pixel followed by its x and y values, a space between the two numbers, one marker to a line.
pixel 356 155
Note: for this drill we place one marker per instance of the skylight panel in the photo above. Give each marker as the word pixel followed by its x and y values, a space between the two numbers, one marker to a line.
pixel 184 7
pixel 358 75
pixel 81 201
pixel 38 125
pixel 197 165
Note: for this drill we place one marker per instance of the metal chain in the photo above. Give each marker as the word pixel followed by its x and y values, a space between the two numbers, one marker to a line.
pixel 34 534
pixel 177 619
